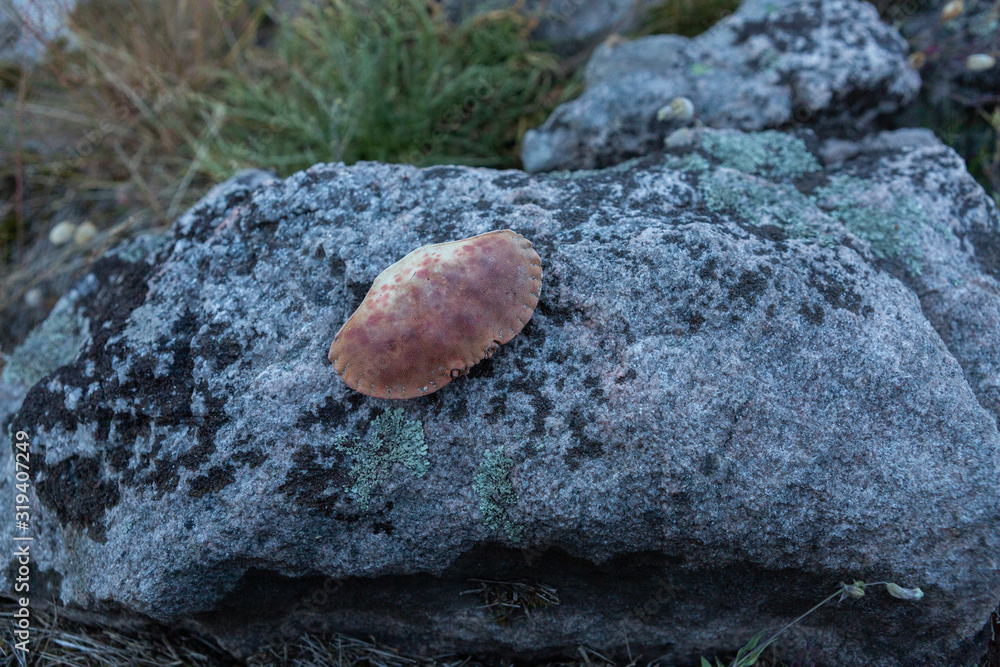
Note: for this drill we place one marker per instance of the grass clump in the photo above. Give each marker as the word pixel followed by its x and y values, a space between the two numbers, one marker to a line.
pixel 510 599
pixel 390 80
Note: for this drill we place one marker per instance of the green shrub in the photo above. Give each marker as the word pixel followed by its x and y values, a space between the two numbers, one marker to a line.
pixel 391 81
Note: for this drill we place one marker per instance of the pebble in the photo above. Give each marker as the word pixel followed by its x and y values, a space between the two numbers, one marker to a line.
pixel 85 233
pixel 952 10
pixel 34 297
pixel 980 62
pixel 62 233
pixel 680 109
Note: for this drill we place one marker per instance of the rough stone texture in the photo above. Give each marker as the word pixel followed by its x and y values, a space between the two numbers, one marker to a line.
pixel 830 64
pixel 760 365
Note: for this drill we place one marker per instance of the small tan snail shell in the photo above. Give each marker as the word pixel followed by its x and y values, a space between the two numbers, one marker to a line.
pixel 437 312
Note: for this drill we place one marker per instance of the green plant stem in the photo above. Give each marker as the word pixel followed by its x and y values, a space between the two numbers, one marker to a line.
pixel 760 649
pixel 751 659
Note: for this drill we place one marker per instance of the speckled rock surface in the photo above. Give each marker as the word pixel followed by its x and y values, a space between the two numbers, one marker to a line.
pixel 760 365
pixel 829 64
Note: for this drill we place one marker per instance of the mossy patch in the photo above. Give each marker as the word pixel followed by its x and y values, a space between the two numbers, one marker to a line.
pixel 496 493
pixel 770 153
pixel 759 202
pixel 391 439
pixel 690 162
pixel 889 223
pixel 700 69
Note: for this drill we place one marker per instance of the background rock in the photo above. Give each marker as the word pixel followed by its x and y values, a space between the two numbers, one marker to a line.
pixel 26 26
pixel 831 65
pixel 568 25
pixel 760 365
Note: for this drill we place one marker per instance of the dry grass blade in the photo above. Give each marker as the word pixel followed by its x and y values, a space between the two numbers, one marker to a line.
pixel 326 651
pixel 56 640
pixel 507 599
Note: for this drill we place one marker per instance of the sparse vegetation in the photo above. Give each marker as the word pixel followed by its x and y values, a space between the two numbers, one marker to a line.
pixel 748 655
pixel 391 81
pixel 510 599
pixel 58 640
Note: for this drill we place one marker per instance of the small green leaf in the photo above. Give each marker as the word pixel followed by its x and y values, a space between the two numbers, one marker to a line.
pixel 751 645
pixel 897 591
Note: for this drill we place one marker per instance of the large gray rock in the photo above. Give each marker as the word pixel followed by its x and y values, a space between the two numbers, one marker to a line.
pixel 760 366
pixel 830 64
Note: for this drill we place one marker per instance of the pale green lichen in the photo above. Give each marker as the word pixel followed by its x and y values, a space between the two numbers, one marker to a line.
pixel 690 162
pixel 890 223
pixel 579 174
pixel 391 439
pixel 770 153
pixel 759 201
pixel 141 247
pixel 53 343
pixel 496 492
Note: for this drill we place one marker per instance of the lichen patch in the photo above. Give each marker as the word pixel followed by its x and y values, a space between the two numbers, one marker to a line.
pixel 391 439
pixel 496 492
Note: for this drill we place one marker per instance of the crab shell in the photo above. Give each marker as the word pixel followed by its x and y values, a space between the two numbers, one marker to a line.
pixel 437 312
